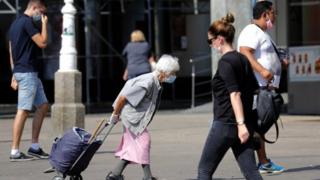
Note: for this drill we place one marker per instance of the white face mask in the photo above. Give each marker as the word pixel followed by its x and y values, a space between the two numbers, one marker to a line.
pixel 218 49
pixel 170 79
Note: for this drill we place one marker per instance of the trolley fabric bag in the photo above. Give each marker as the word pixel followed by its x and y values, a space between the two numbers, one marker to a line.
pixel 269 105
pixel 67 149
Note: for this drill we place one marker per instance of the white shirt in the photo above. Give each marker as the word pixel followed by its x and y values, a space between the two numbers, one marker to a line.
pixel 254 37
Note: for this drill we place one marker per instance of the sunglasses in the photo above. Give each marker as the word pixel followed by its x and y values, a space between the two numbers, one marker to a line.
pixel 209 41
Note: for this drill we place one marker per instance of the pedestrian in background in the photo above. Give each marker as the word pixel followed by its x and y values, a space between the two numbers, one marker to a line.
pixel 138 55
pixel 135 106
pixel 25 40
pixel 233 89
pixel 255 43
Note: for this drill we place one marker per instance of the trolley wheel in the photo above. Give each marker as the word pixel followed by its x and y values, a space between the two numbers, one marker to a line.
pixel 57 177
pixel 78 177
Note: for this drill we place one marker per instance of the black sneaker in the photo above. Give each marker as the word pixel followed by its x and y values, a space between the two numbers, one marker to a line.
pixel 111 176
pixel 38 153
pixel 20 157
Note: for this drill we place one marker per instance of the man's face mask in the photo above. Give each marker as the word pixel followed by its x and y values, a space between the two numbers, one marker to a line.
pixel 37 16
pixel 270 14
pixel 269 24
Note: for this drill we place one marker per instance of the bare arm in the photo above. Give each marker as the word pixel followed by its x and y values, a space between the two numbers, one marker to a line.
pixel 237 107
pixel 14 83
pixel 41 39
pixel 151 59
pixel 125 75
pixel 11 58
pixel 119 105
pixel 249 53
pixel 152 62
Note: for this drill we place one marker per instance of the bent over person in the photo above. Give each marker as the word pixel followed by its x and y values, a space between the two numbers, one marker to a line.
pixel 25 40
pixel 135 106
pixel 233 88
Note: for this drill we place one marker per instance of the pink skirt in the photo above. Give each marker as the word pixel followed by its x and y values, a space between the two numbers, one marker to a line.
pixel 135 149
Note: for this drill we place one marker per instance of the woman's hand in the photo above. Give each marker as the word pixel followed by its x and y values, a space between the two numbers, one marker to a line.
pixel 114 118
pixel 236 103
pixel 243 133
pixel 125 75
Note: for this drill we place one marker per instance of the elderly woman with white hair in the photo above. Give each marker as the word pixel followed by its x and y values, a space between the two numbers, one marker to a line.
pixel 135 106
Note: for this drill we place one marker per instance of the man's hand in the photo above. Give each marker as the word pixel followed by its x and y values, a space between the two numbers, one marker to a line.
pixel 266 75
pixel 243 133
pixel 44 19
pixel 14 83
pixel 285 63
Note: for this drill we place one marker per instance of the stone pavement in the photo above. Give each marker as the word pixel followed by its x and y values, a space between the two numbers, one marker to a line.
pixel 177 141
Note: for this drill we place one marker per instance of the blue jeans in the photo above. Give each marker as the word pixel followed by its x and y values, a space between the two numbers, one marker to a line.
pixel 30 91
pixel 221 137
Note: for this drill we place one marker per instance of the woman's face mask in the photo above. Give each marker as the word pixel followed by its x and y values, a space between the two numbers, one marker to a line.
pixel 170 79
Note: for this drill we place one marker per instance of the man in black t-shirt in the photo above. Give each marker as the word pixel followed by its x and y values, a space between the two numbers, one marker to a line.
pixel 25 40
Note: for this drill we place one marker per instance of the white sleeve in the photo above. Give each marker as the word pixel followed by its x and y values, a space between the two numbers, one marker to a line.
pixel 248 38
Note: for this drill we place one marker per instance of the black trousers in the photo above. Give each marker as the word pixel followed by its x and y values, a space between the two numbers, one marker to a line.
pixel 221 137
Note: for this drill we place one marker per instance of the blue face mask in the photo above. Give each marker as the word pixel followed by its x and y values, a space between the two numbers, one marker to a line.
pixel 36 17
pixel 170 79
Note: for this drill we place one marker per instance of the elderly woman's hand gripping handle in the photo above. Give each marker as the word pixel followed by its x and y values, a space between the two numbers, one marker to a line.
pixel 115 116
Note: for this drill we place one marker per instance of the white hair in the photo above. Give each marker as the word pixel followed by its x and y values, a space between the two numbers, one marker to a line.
pixel 167 64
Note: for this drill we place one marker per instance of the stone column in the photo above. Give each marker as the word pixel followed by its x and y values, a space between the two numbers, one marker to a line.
pixel 68 110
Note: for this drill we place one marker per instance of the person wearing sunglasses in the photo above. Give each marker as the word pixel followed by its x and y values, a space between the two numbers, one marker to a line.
pixel 233 88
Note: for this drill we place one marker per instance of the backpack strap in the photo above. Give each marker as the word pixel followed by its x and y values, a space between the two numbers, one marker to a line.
pixel 277 135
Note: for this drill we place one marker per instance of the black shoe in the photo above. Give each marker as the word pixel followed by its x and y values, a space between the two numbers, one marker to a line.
pixel 111 176
pixel 20 157
pixel 38 153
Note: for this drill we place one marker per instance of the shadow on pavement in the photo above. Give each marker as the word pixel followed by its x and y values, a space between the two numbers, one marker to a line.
pixel 308 168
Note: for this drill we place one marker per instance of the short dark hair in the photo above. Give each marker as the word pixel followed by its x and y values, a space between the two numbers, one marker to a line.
pixel 260 7
pixel 40 2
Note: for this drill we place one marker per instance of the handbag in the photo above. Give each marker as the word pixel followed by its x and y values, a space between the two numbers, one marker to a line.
pixel 269 104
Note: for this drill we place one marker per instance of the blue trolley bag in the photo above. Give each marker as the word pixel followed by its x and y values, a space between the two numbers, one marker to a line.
pixel 67 149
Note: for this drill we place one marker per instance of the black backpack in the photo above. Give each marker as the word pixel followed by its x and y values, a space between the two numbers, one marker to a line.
pixel 269 105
